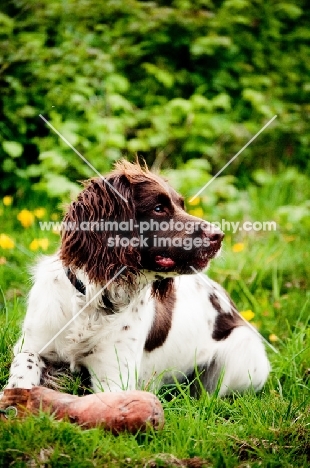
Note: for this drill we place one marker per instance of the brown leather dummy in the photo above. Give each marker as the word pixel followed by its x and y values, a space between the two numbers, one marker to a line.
pixel 122 411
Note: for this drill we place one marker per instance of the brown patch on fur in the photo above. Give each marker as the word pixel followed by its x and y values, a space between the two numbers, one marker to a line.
pixel 216 303
pixel 163 288
pixel 164 307
pixel 225 322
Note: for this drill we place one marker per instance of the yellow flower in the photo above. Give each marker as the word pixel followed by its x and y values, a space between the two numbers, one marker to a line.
pixel 25 217
pixel 238 247
pixel 6 242
pixel 39 212
pixel 43 243
pixel 247 314
pixel 273 337
pixel 196 212
pixel 2 260
pixel 7 200
pixel 194 202
pixel 54 217
pixel 36 244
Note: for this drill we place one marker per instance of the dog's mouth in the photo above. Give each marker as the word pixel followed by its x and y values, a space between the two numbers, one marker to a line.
pixel 199 262
pixel 165 262
pixel 181 260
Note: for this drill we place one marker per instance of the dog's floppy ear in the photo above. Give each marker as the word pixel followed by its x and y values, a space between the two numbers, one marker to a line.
pixel 88 242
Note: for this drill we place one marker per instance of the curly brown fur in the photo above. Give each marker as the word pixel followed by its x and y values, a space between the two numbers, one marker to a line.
pixel 88 250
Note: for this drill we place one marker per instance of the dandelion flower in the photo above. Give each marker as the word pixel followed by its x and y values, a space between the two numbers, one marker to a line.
pixel 273 338
pixel 43 243
pixel 26 218
pixel 194 202
pixel 39 212
pixel 34 245
pixel 238 247
pixel 247 314
pixel 6 242
pixel 37 244
pixel 7 200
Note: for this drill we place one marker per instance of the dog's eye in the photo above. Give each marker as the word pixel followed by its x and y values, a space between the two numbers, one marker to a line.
pixel 159 208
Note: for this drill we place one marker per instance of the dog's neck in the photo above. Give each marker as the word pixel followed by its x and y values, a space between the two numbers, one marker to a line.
pixel 117 296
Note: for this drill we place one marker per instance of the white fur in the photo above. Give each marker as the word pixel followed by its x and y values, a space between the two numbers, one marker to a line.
pixel 112 346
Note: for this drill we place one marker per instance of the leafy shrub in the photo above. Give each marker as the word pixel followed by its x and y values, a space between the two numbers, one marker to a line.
pixel 172 81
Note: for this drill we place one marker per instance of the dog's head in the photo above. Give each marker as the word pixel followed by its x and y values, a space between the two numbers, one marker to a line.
pixel 133 218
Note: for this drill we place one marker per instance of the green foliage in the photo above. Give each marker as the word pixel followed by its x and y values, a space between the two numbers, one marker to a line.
pixel 170 80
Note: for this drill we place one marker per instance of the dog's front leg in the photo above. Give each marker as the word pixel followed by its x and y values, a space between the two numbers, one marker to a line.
pixel 25 370
pixel 115 345
pixel 114 361
pixel 115 367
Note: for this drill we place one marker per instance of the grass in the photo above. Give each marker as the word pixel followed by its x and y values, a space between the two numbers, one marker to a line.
pixel 267 274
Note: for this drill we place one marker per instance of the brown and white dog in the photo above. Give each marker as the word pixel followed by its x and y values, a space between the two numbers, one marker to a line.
pixel 123 298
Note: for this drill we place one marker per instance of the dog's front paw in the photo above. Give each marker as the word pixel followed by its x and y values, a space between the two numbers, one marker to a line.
pixel 25 370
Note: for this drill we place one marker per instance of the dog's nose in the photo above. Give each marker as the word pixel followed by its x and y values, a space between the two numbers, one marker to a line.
pixel 214 235
pixel 215 239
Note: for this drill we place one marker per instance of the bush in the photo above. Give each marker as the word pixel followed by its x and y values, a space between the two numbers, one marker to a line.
pixel 169 80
